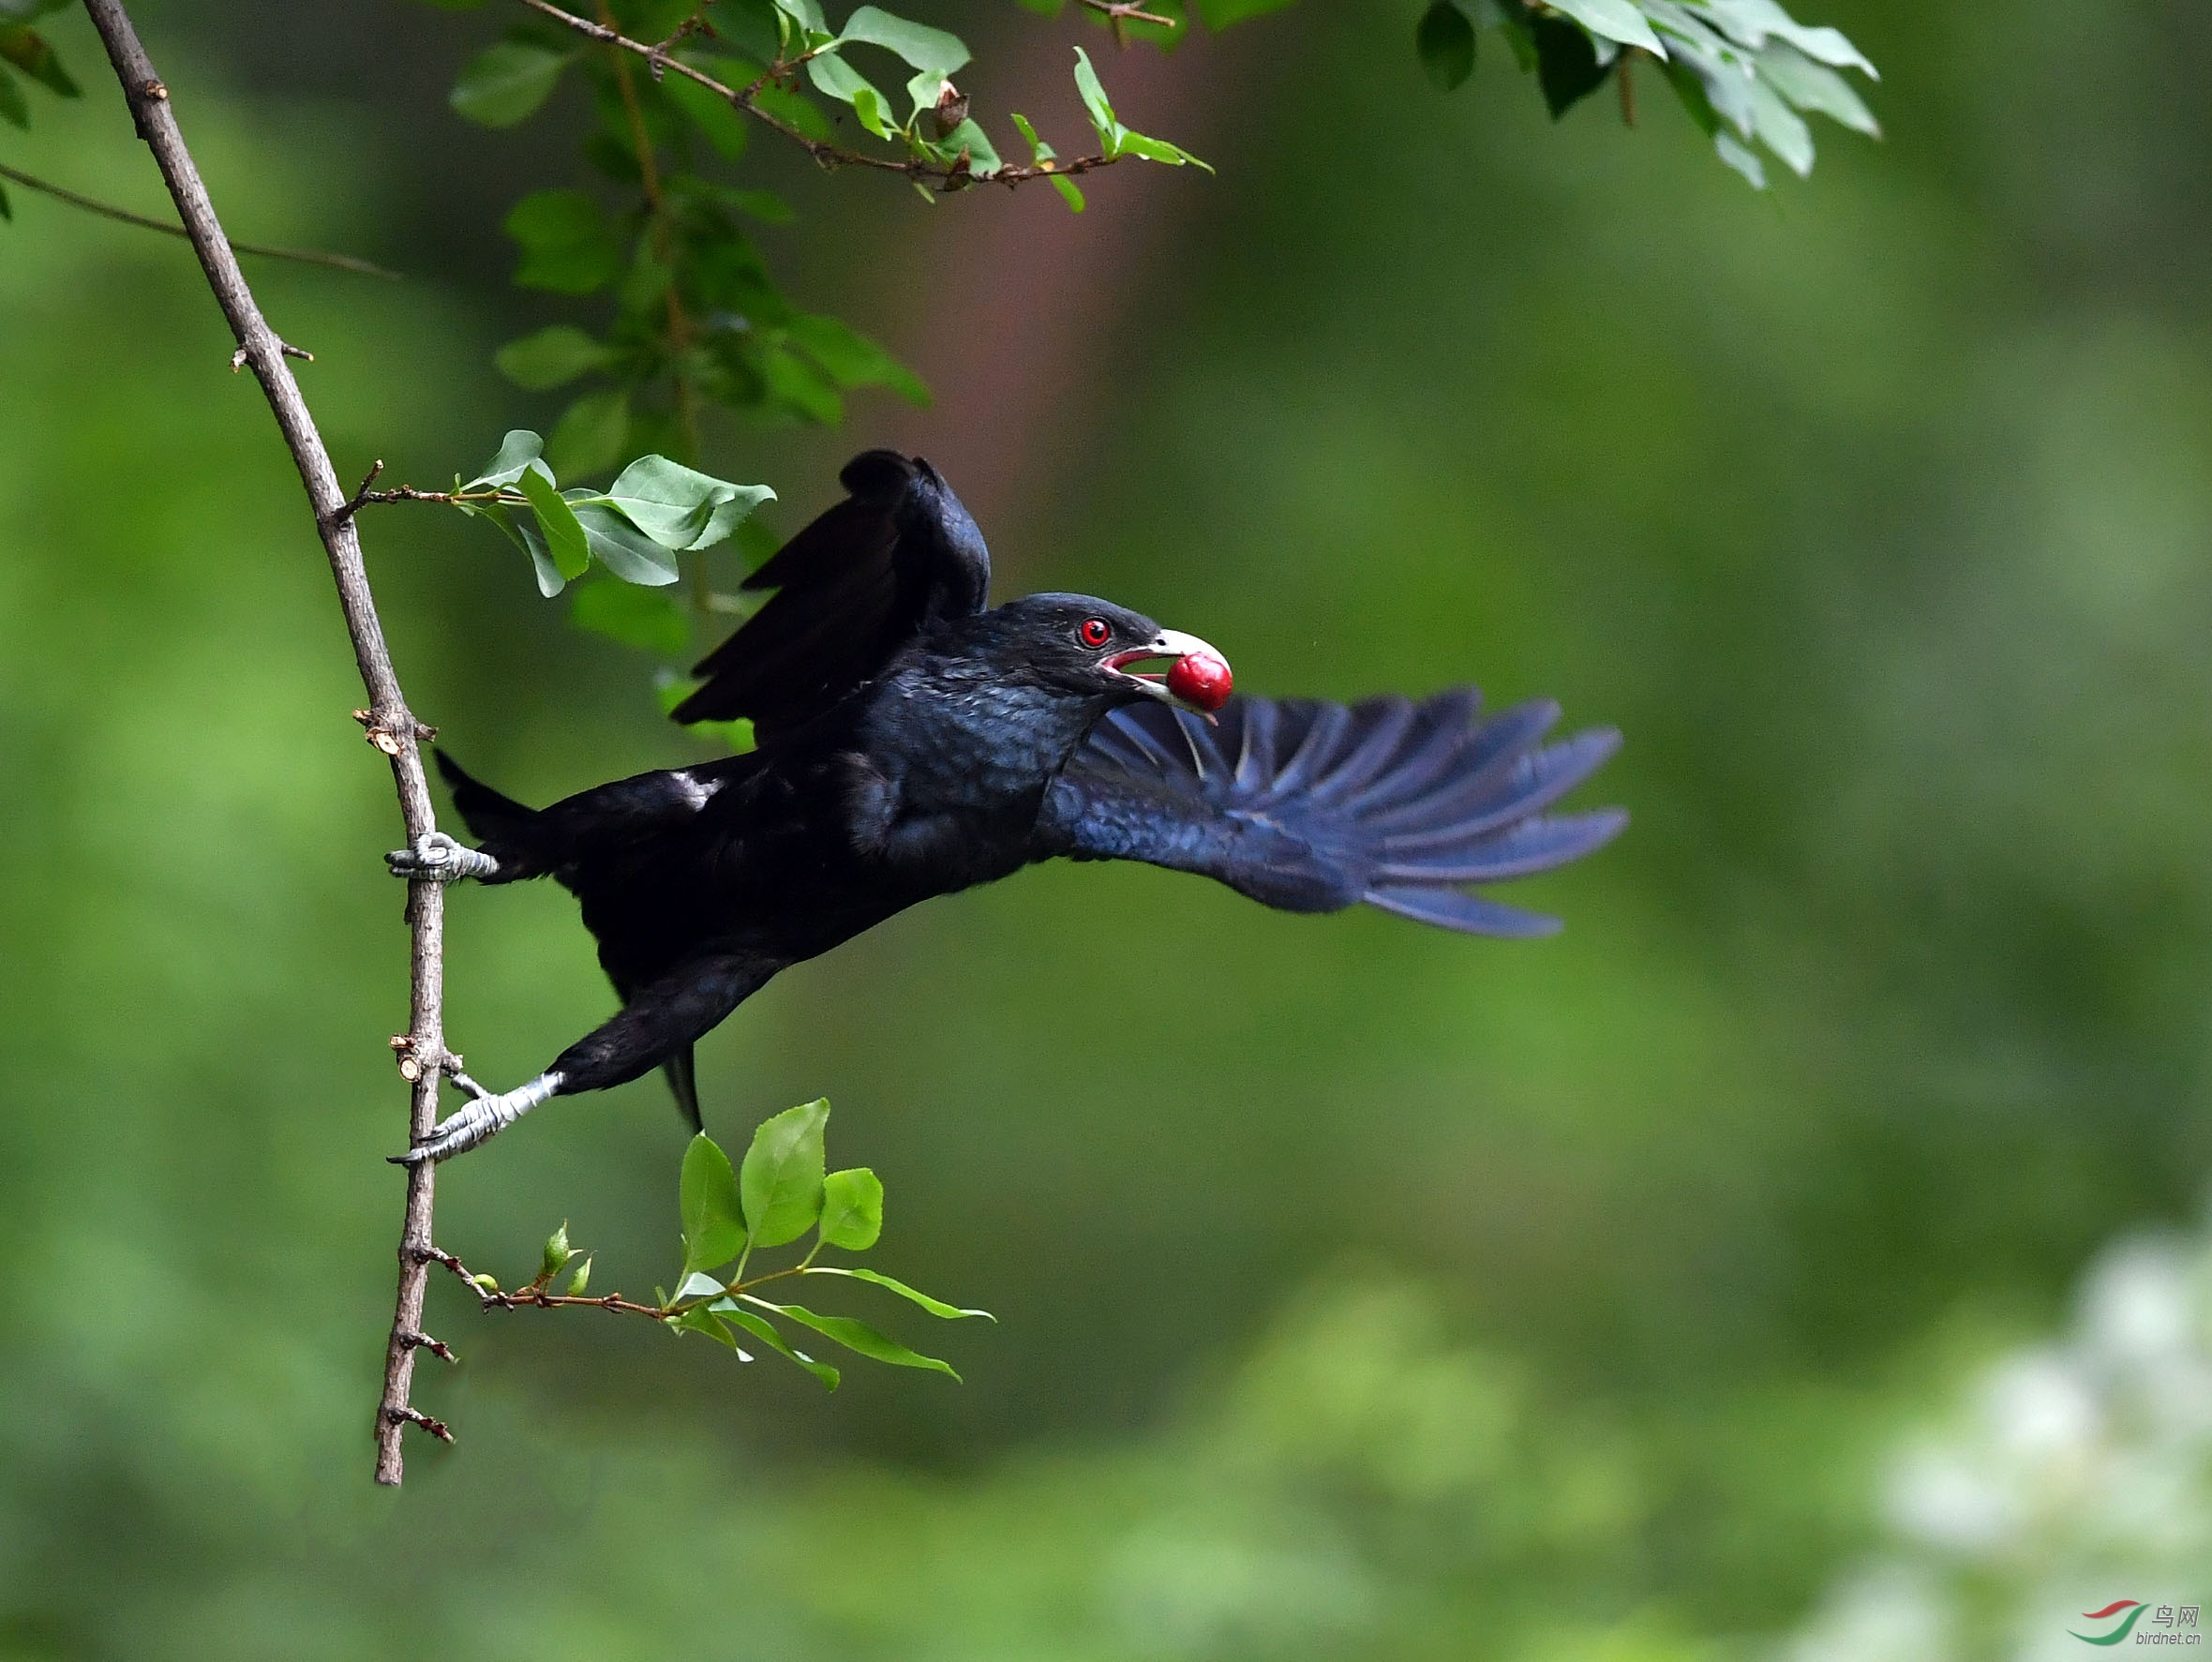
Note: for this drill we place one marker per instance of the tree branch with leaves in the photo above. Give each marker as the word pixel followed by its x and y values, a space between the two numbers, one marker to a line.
pixel 698 325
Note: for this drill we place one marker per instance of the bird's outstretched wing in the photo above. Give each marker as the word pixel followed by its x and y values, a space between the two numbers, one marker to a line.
pixel 851 589
pixel 1310 806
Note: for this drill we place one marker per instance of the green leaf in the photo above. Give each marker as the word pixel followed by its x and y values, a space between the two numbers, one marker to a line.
pixel 923 48
pixel 1745 161
pixel 518 450
pixel 851 359
pixel 936 1307
pixel 1070 193
pixel 1782 129
pixel 732 514
pixel 750 25
pixel 713 1224
pixel 1567 66
pixel 839 79
pixel 13 109
pixel 794 383
pixel 1158 150
pixel 806 14
pixel 679 507
pixel 696 1320
pixel 582 1278
pixel 1750 21
pixel 619 546
pixel 647 619
pixel 718 122
pixel 983 155
pixel 665 500
pixel 781 1181
pixel 525 535
pixel 1444 40
pixel 28 50
pixel 729 1310
pixel 1095 104
pixel 556 522
pixel 1038 150
pixel 854 1336
pixel 696 1284
pixel 1613 20
pixel 567 245
pixel 590 433
pixel 552 357
pixel 507 83
pixel 932 53
pixel 796 109
pixel 852 1209
pixel 558 1253
pixel 1815 86
pixel 1724 71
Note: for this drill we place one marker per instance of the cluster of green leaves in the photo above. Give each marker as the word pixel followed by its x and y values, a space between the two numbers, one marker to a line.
pixel 954 140
pixel 26 53
pixel 1745 69
pixel 781 1192
pixel 696 319
pixel 654 512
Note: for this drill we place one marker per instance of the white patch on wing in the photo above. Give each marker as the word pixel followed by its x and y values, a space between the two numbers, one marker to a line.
pixel 696 792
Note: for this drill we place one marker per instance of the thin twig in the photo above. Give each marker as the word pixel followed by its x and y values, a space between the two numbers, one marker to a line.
pixel 538 1296
pixel 109 211
pixel 392 726
pixel 1122 14
pixel 949 176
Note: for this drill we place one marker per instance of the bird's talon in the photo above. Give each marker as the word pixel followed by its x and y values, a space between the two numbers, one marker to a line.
pixel 436 857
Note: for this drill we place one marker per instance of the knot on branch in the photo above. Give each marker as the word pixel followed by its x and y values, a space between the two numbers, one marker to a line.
pixel 383 730
pixel 411 1067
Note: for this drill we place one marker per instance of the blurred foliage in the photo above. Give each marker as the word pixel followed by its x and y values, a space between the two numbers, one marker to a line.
pixel 1366 1293
pixel 2074 1474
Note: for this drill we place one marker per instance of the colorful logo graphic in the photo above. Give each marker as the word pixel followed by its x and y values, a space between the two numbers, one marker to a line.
pixel 2134 1607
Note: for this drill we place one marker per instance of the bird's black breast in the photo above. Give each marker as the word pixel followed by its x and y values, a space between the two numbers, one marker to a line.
pixel 788 859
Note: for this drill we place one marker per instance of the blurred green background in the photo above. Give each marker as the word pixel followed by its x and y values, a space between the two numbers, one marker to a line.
pixel 1364 1291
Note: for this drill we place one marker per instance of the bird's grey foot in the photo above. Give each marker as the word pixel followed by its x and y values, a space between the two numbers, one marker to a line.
pixel 436 857
pixel 482 1119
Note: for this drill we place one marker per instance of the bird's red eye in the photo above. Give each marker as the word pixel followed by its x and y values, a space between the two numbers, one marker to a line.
pixel 1096 632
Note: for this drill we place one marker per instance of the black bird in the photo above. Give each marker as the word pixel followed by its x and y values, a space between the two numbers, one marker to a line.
pixel 912 743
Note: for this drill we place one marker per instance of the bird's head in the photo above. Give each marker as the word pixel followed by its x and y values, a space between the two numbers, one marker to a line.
pixel 1098 650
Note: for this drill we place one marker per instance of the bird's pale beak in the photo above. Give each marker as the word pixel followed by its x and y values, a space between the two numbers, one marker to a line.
pixel 1190 674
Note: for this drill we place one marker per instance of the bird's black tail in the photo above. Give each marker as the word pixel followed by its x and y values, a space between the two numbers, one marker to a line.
pixel 677 1069
pixel 489 817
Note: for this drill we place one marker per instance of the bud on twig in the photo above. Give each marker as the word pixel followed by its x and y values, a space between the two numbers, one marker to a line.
pixel 953 109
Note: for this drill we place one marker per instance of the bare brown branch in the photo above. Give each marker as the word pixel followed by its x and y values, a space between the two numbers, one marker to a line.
pixel 391 724
pixel 123 215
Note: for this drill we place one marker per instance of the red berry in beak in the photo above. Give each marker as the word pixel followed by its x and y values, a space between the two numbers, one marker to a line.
pixel 1201 679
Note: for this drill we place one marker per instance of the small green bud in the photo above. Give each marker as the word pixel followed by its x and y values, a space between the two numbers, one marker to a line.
pixel 581 1280
pixel 558 1253
pixel 489 1284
